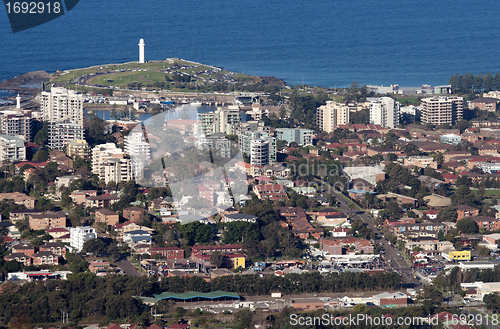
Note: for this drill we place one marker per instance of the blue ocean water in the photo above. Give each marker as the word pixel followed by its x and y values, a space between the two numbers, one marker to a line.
pixel 322 42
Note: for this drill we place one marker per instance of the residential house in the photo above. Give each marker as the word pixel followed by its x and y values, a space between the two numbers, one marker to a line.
pixel 167 252
pixel 19 257
pixel 100 201
pixel 45 258
pixel 137 237
pixel 133 214
pixel 273 192
pixel 47 220
pixel 55 248
pixel 106 216
pixel 400 199
pixel 57 232
pixel 79 197
pixel 486 222
pixel 23 247
pixel 22 214
pixel 464 211
pixel 420 162
pixel 335 220
pixel 19 198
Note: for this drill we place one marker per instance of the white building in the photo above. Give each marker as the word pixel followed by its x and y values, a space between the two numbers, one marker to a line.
pixel 16 123
pixel 385 112
pixel 482 288
pixel 139 151
pixel 220 146
pixel 79 235
pixel 12 148
pixel 441 110
pixel 259 146
pixel 223 120
pixel 369 174
pixel 61 133
pixel 62 105
pixel 110 164
pixel 300 136
pixel 63 109
pixel 409 113
pixel 331 115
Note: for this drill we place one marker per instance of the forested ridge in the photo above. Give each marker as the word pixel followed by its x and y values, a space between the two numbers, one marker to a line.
pixel 84 294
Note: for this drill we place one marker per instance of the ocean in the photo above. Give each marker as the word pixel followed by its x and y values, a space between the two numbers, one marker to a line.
pixel 324 43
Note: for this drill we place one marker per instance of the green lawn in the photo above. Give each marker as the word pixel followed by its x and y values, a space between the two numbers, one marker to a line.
pixel 408 100
pixel 67 76
pixel 492 192
pixel 121 79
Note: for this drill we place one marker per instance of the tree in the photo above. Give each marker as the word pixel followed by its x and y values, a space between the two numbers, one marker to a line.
pixel 441 235
pixel 217 259
pixel 42 136
pixel 97 247
pixel 464 195
pixel 492 301
pixel 467 226
pixel 354 87
pixel 431 298
pixel 41 155
pixel 243 319
pixel 488 82
pixel 392 157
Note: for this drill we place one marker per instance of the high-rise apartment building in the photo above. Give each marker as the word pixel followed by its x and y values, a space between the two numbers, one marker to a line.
pixel 62 105
pixel 139 151
pixel 441 110
pixel 223 120
pixel 16 123
pixel 259 146
pixel 12 148
pixel 77 149
pixel 331 115
pixel 219 145
pixel 60 133
pixel 63 109
pixel 299 136
pixel 385 112
pixel 79 235
pixel 110 164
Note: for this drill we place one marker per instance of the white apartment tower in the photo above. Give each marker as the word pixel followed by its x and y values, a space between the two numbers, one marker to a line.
pixel 62 105
pixel 331 115
pixel 79 235
pixel 12 148
pixel 259 146
pixel 110 164
pixel 16 123
pixel 385 112
pixel 139 151
pixel 223 120
pixel 441 110
pixel 63 109
pixel 60 133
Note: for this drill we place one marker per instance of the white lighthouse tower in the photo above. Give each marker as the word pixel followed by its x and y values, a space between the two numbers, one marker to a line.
pixel 141 50
pixel 18 101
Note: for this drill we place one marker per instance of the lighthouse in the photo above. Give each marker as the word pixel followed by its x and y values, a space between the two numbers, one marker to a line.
pixel 141 50
pixel 18 101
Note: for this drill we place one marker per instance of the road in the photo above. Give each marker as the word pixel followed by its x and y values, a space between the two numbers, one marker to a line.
pixel 397 262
